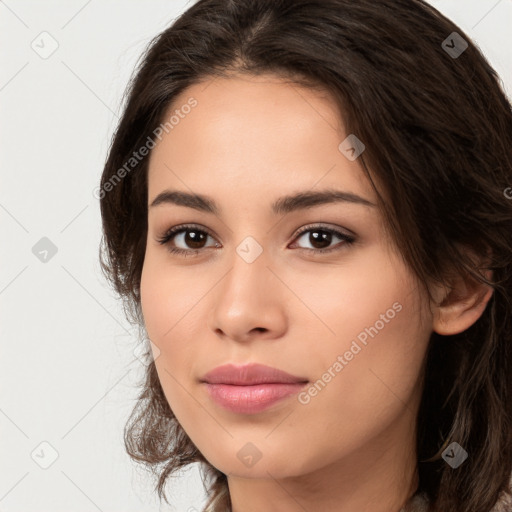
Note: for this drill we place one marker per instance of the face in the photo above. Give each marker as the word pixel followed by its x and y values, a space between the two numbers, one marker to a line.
pixel 312 287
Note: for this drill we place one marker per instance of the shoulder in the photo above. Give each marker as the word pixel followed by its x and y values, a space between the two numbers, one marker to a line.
pixel 420 502
pixel 504 504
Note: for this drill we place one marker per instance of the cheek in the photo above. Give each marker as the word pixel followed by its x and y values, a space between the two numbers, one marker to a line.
pixel 372 289
pixel 168 299
pixel 154 297
pixel 173 306
pixel 370 361
pixel 167 312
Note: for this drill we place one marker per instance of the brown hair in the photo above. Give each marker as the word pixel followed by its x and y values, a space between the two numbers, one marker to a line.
pixel 438 135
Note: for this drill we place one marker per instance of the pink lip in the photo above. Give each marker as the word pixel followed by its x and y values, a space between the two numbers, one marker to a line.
pixel 250 388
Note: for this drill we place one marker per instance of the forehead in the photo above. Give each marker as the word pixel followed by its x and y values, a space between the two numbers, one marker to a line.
pixel 254 134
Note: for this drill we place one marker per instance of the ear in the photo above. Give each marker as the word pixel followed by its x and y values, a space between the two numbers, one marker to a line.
pixel 460 304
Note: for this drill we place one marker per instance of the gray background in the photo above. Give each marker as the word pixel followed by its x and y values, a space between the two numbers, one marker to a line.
pixel 68 370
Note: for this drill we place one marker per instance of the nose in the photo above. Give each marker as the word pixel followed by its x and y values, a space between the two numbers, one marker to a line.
pixel 249 301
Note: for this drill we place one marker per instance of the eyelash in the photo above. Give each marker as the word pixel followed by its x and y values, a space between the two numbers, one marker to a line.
pixel 171 233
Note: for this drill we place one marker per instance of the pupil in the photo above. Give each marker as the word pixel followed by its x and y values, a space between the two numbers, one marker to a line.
pixel 315 238
pixel 194 237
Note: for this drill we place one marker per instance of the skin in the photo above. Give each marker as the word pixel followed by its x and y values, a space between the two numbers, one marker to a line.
pixel 249 141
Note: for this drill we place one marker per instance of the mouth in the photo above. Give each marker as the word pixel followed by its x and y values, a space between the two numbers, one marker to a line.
pixel 251 388
pixel 251 399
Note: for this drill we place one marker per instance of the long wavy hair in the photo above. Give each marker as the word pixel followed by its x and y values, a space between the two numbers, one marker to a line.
pixel 438 128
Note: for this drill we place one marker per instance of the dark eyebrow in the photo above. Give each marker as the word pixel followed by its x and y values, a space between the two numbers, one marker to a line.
pixel 285 204
pixel 309 199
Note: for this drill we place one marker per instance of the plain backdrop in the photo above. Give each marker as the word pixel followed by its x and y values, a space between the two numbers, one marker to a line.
pixel 68 370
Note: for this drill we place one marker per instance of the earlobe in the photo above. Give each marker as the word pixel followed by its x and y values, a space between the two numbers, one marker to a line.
pixel 461 305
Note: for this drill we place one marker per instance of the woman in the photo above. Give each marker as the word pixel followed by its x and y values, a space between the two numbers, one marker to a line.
pixel 306 208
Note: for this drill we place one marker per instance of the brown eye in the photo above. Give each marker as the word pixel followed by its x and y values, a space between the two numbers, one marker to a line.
pixel 320 238
pixel 194 238
pixel 191 238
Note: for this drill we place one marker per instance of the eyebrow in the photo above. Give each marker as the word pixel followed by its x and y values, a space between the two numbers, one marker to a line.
pixel 285 204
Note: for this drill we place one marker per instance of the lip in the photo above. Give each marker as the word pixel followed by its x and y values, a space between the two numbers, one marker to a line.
pixel 250 374
pixel 251 388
